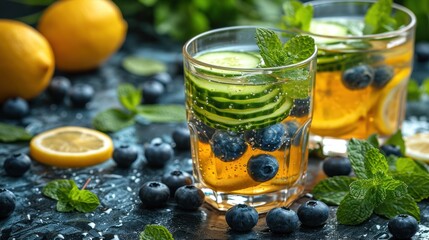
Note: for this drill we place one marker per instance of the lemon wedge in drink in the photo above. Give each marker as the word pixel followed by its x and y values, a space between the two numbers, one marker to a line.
pixel 417 146
pixel 71 147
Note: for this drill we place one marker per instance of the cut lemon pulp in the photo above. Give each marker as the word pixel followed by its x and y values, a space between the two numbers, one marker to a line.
pixel 417 146
pixel 337 109
pixel 71 147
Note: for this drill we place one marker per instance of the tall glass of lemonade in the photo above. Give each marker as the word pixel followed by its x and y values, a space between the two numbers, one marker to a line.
pixel 364 61
pixel 249 122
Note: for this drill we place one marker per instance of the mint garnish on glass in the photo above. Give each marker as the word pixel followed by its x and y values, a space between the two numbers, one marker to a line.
pixel 155 232
pixel 384 186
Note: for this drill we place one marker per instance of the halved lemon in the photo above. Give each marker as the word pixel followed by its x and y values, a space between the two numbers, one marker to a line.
pixel 417 146
pixel 71 147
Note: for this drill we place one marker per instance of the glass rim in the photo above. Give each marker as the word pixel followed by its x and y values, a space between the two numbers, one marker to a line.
pixel 190 58
pixel 383 35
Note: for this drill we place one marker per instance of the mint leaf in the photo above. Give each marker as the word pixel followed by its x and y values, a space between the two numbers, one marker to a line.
pixel 12 133
pixel 56 189
pixel 297 15
pixel 356 150
pixel 299 48
pixel 399 205
pixel 378 19
pixel 271 48
pixel 64 206
pixel 413 90
pixel 397 140
pixel 162 113
pixel 143 66
pixel 129 96
pixel 332 190
pixel 354 211
pixel 83 200
pixel 375 163
pixel 418 184
pixel 408 165
pixel 155 232
pixel 112 120
pixel 369 189
pixel 373 140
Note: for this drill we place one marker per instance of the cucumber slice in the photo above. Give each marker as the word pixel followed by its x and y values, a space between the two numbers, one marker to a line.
pixel 327 28
pixel 228 59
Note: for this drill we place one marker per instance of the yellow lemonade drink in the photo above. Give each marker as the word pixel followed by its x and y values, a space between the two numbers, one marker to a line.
pixel 361 78
pixel 249 123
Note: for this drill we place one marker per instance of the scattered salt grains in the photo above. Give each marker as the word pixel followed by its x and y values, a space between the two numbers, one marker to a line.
pixel 423 232
pixel 115 237
pixel 28 217
pixel 377 226
pixel 129 189
pixel 91 225
pixel 59 236
pixel 108 211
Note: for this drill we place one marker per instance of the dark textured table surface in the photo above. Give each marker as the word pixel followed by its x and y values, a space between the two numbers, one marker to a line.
pixel 121 215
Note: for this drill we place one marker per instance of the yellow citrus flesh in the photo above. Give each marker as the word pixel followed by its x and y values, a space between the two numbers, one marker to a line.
pixel 337 109
pixel 71 147
pixel 26 61
pixel 83 33
pixel 417 146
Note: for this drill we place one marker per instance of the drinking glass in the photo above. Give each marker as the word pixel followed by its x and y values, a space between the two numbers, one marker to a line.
pixel 361 79
pixel 249 124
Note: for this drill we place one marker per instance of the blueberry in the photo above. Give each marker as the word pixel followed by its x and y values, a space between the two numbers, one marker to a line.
pixel 313 213
pixel 15 108
pixel 389 149
pixel 58 88
pixel 163 77
pixel 282 220
pixel 17 165
pixel 152 91
pixel 300 108
pixel 241 218
pixel 182 139
pixel 154 194
pixel 176 179
pixel 358 77
pixel 382 75
pixel 228 146
pixel 81 94
pixel 262 167
pixel 422 51
pixel 204 132
pixel 125 155
pixel 158 153
pixel 189 197
pixel 7 203
pixel 269 138
pixel 403 226
pixel 337 166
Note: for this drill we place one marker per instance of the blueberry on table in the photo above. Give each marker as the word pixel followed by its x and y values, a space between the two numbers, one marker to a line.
pixel 157 153
pixel 176 179
pixel 182 139
pixel 422 51
pixel 58 88
pixel 15 108
pixel 164 78
pixel 7 203
pixel 125 155
pixel 152 91
pixel 81 94
pixel 262 168
pixel 313 213
pixel 382 75
pixel 358 77
pixel 189 197
pixel 241 218
pixel 17 164
pixel 269 138
pixel 300 108
pixel 282 220
pixel 228 146
pixel 337 166
pixel 403 226
pixel 389 149
pixel 154 194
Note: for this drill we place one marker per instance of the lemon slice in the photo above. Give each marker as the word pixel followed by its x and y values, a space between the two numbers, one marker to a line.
pixel 71 147
pixel 417 146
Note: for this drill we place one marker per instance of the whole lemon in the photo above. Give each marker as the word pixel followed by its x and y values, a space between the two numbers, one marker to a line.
pixel 26 61
pixel 82 33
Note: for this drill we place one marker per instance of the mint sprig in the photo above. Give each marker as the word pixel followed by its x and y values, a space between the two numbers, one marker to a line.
pixel 69 197
pixel 384 186
pixel 155 232
pixel 297 15
pixel 11 133
pixel 115 119
pixel 378 19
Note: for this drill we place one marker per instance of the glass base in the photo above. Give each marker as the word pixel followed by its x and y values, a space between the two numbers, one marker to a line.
pixel 262 203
